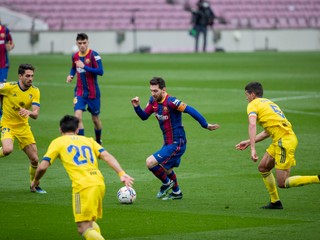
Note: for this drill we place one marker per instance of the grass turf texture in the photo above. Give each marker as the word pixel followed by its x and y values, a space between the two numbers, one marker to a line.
pixel 222 188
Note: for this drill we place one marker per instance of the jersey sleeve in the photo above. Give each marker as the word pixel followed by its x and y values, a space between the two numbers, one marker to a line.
pixel 252 109
pixel 52 152
pixel 8 36
pixel 73 67
pixel 97 68
pixel 197 116
pixel 145 114
pixel 97 148
pixel 4 88
pixel 36 98
pixel 183 107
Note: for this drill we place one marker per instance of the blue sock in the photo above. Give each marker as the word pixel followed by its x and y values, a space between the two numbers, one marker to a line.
pixel 173 177
pixel 160 174
pixel 98 135
pixel 81 132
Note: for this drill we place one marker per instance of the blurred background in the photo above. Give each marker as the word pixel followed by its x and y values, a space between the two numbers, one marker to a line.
pixel 156 26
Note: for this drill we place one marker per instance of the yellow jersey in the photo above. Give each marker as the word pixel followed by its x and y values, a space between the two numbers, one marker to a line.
pixel 78 155
pixel 15 98
pixel 270 117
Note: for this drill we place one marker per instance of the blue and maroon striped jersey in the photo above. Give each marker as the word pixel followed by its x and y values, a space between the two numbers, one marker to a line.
pixel 5 37
pixel 87 77
pixel 169 115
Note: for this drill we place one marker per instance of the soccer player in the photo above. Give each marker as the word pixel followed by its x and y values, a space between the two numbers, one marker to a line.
pixel 168 111
pixel 78 155
pixel 6 45
pixel 280 154
pixel 18 98
pixel 88 65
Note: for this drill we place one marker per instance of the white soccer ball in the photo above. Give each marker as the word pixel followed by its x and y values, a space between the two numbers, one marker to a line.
pixel 126 195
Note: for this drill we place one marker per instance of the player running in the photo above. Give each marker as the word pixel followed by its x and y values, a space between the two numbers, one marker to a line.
pixel 168 111
pixel 280 154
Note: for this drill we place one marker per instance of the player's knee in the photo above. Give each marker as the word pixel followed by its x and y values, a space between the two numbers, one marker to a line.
pixel 282 184
pixel 7 150
pixel 263 169
pixel 34 162
pixel 151 162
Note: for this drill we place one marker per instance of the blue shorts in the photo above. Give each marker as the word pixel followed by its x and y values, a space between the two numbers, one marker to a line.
pixel 80 103
pixel 3 74
pixel 169 156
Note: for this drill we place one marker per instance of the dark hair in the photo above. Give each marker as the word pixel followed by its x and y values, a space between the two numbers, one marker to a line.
pixel 23 67
pixel 69 123
pixel 82 36
pixel 158 81
pixel 254 87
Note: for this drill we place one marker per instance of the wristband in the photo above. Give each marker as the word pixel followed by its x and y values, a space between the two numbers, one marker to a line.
pixel 121 173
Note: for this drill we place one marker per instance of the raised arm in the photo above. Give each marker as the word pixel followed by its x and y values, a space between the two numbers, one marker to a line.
pixel 136 105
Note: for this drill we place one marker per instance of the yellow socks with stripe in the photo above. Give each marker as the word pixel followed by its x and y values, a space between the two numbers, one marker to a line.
pixel 296 181
pixel 92 234
pixel 32 172
pixel 271 186
pixel 1 152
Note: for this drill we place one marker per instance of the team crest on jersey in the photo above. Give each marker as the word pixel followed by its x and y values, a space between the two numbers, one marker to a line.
pixel 1 85
pixel 22 104
pixel 87 61
pixel 165 109
pixel 30 96
pixel 2 35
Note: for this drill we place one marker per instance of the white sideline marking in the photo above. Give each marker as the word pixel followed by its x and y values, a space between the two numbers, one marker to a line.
pixel 294 98
pixel 301 112
pixel 312 94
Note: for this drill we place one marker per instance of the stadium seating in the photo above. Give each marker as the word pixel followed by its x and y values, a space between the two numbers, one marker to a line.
pixel 160 14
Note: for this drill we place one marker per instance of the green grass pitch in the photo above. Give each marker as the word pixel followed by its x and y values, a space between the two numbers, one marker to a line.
pixel 222 188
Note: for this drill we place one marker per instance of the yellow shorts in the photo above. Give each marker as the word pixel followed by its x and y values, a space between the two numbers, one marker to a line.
pixel 21 132
pixel 87 204
pixel 283 151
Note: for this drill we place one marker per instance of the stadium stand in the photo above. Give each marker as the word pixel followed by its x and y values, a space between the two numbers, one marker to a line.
pixel 64 15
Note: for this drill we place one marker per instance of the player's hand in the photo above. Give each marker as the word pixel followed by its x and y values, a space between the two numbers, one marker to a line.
pixel 243 145
pixel 69 79
pixel 135 101
pixel 24 112
pixel 9 46
pixel 79 64
pixel 127 180
pixel 254 156
pixel 212 127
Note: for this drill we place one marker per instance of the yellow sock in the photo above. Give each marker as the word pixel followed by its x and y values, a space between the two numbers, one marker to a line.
pixel 96 227
pixel 270 183
pixel 32 172
pixel 92 234
pixel 296 181
pixel 1 152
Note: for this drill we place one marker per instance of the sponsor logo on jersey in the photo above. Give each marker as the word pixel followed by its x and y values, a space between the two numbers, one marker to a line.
pixel 162 117
pixel 81 70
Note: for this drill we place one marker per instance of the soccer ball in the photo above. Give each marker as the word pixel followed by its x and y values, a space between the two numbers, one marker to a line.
pixel 126 195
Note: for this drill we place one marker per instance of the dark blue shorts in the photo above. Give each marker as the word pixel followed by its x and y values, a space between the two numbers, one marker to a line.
pixel 80 103
pixel 3 74
pixel 169 156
